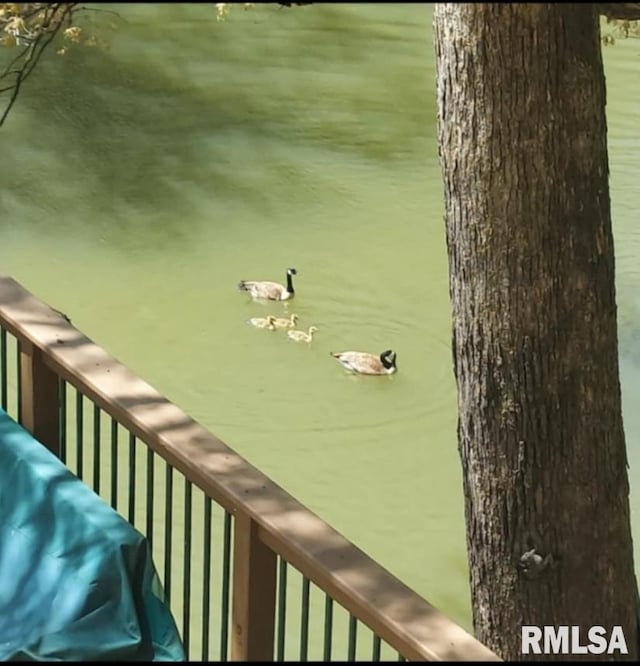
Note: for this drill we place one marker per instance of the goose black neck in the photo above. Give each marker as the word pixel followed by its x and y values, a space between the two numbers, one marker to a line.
pixel 289 283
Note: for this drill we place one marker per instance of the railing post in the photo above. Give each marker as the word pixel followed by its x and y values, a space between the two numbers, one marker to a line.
pixel 39 393
pixel 254 594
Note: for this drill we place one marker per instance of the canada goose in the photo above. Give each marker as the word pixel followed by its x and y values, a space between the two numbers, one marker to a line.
pixel 286 322
pixel 263 322
pixel 272 291
pixel 301 336
pixel 367 364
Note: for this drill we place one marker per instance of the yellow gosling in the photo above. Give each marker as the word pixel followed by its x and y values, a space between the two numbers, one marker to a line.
pixel 286 322
pixel 263 322
pixel 301 336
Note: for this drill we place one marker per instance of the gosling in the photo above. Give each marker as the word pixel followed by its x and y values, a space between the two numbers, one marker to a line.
pixel 286 322
pixel 264 322
pixel 301 336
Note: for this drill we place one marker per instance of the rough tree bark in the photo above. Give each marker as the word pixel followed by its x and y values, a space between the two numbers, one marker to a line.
pixel 522 133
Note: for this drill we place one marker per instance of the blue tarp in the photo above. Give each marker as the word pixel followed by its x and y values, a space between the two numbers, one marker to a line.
pixel 77 582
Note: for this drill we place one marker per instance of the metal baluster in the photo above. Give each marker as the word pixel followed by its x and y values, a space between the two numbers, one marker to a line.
pixel 206 592
pixel 96 448
pixel 282 608
pixel 226 580
pixel 114 464
pixel 186 607
pixel 304 619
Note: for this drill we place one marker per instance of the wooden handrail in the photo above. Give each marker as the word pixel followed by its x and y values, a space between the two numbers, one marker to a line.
pixel 397 614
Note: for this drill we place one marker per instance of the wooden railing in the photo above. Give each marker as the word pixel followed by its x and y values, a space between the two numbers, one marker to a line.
pixel 269 525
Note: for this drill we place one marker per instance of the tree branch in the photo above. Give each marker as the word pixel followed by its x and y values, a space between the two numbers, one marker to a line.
pixel 54 18
pixel 622 11
pixel 104 11
pixel 8 70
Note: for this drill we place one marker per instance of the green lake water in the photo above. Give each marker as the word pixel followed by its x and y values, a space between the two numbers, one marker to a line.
pixel 140 183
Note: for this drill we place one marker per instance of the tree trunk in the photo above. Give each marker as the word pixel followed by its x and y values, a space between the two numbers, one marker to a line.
pixel 522 133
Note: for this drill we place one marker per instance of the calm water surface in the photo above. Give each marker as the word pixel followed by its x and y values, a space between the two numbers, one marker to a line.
pixel 141 183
